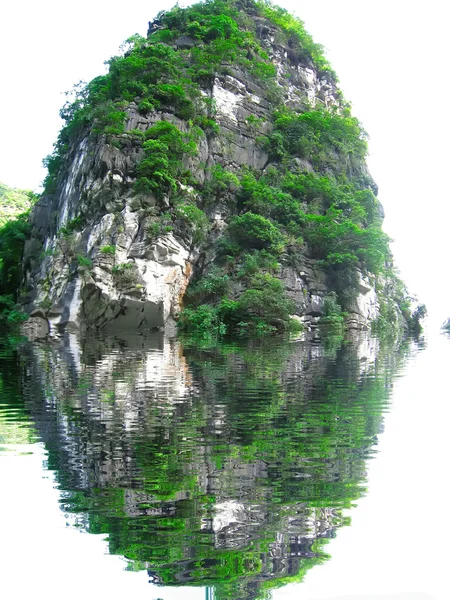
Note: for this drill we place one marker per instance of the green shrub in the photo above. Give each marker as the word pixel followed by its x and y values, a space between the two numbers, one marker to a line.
pixel 125 275
pixel 223 180
pixel 145 106
pixel 331 306
pixel 136 133
pixel 252 121
pixel 195 218
pixel 108 249
pixel 334 238
pixel 109 120
pixel 323 137
pixel 203 321
pixel 333 317
pixel 210 287
pixel 159 227
pixel 252 263
pixel 387 323
pixel 14 202
pixel 75 224
pixel 84 261
pixel 414 321
pixel 10 314
pixel 208 125
pixel 166 145
pixel 254 231
pixel 265 300
pixel 13 235
pixel 261 309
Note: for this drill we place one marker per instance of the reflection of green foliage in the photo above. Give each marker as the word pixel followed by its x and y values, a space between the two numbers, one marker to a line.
pixel 15 424
pixel 251 429
pixel 333 318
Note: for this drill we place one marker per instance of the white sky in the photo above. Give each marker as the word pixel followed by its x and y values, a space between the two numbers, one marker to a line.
pixel 392 60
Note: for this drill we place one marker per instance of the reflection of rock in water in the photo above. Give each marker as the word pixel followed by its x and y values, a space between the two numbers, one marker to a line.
pixel 225 466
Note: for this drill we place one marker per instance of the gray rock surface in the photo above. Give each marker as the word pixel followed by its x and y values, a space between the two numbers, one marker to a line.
pixel 140 282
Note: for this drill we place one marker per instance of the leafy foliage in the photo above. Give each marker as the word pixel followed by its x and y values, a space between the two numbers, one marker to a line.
pixel 75 224
pixel 163 151
pixel 13 235
pixel 333 318
pixel 13 202
pixel 84 261
pixel 418 315
pixel 125 275
pixel 315 198
pixel 195 218
pixel 262 308
pixel 326 138
pixel 300 41
pixel 108 249
pixel 251 230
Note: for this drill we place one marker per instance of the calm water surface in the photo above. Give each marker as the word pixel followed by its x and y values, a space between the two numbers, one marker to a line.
pixel 152 468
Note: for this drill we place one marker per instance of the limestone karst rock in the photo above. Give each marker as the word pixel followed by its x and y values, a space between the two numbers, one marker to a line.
pixel 219 155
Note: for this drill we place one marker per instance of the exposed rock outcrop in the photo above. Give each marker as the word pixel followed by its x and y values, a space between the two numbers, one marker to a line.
pixel 101 252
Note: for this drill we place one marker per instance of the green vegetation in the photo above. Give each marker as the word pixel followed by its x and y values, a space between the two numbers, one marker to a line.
pixel 262 308
pixel 195 219
pixel 14 202
pixel 314 199
pixel 301 45
pixel 333 317
pixel 326 138
pixel 108 249
pixel 159 227
pixel 84 261
pixel 14 230
pixel 75 224
pixel 417 316
pixel 255 231
pixel 161 166
pixel 158 74
pixel 125 275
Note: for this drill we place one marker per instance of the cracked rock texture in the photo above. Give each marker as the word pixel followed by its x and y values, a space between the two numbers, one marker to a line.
pixel 126 279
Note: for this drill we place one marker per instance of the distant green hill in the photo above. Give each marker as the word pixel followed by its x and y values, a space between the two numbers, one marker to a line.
pixel 14 229
pixel 13 202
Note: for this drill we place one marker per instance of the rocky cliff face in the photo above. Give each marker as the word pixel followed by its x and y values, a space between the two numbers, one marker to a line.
pixel 133 214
